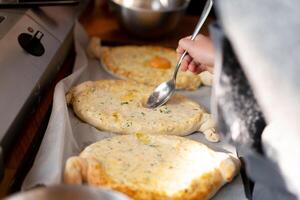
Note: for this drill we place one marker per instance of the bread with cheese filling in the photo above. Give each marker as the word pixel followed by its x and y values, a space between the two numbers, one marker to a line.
pixel 150 65
pixel 119 106
pixel 153 167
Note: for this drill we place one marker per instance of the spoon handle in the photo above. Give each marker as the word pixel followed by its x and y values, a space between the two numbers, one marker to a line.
pixel 204 14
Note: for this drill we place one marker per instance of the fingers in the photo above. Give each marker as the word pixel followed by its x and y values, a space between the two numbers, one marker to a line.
pixel 199 69
pixel 189 46
pixel 196 68
pixel 184 44
pixel 185 63
pixel 200 37
pixel 193 67
pixel 201 50
pixel 189 64
pixel 179 49
pixel 200 55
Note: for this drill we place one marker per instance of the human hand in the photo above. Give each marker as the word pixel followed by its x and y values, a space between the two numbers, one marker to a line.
pixel 200 55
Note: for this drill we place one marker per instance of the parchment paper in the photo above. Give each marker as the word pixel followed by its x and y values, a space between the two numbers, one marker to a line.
pixel 66 135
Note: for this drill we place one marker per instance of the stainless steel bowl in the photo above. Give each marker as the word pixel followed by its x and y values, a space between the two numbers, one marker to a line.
pixel 149 18
pixel 63 192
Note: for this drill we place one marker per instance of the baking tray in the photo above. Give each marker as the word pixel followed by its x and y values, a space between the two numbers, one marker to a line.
pixel 66 135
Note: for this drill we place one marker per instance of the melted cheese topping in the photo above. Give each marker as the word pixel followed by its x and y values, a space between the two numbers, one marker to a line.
pixel 156 163
pixel 147 64
pixel 118 106
pixel 129 96
pixel 160 62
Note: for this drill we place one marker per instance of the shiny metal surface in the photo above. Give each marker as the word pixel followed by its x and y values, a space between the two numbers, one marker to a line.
pixel 64 192
pixel 24 77
pixel 149 18
pixel 165 90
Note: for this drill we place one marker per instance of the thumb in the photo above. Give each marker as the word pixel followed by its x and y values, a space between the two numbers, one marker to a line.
pixel 188 45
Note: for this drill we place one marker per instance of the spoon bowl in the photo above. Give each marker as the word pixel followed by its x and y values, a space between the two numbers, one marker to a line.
pixel 161 94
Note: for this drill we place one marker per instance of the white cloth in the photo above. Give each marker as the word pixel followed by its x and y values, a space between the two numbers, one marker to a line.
pixel 266 38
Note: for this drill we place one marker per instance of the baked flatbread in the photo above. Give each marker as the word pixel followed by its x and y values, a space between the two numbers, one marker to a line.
pixel 150 65
pixel 153 167
pixel 206 78
pixel 119 106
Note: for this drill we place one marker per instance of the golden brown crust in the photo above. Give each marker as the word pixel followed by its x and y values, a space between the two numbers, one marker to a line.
pixel 201 188
pixel 108 171
pixel 229 166
pixel 76 168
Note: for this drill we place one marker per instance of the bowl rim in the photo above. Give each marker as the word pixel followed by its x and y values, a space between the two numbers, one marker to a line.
pixel 184 6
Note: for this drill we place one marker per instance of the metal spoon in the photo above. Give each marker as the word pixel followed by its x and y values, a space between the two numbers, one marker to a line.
pixel 165 90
